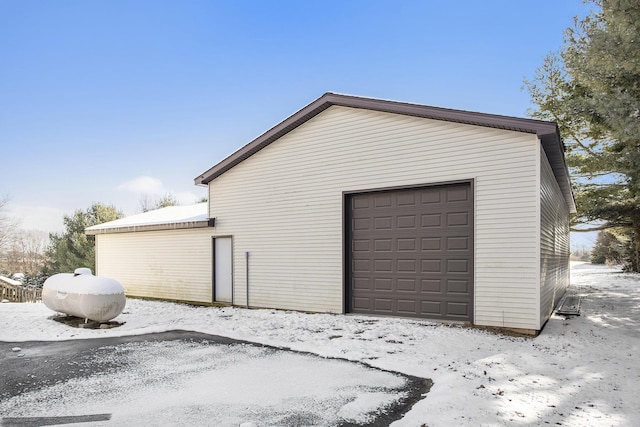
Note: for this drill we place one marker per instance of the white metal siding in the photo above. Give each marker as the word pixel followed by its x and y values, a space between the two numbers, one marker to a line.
pixel 174 265
pixel 554 241
pixel 284 206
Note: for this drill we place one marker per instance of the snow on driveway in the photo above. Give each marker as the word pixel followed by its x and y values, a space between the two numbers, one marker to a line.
pixel 581 371
pixel 193 379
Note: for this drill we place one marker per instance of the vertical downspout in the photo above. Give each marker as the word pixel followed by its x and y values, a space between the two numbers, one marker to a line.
pixel 246 256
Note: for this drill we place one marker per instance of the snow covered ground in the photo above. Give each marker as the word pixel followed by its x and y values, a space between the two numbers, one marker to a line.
pixel 197 381
pixel 581 371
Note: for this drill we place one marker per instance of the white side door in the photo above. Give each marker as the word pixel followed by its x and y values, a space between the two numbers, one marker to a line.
pixel 223 270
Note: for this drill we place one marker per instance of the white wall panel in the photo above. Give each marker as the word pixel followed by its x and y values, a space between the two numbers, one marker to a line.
pixel 174 265
pixel 554 241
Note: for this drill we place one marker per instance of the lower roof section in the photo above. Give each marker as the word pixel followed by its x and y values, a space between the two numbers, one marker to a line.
pixel 169 218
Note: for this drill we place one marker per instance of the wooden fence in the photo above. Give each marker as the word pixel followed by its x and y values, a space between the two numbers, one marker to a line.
pixel 14 291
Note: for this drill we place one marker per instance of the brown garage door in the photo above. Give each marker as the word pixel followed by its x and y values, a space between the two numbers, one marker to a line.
pixel 411 252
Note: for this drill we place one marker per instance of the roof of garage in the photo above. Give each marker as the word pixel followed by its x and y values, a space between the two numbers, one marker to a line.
pixel 547 132
pixel 169 218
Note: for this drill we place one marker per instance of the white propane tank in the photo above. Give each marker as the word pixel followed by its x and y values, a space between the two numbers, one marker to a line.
pixel 84 295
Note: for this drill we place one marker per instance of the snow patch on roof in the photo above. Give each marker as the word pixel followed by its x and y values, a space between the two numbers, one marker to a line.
pixel 168 215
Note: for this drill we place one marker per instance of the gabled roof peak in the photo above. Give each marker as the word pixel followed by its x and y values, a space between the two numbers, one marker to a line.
pixel 547 132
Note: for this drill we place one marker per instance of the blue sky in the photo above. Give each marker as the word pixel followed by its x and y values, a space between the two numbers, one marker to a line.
pixel 106 101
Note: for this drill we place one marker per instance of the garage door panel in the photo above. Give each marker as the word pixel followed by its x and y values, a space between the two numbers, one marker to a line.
pixel 406 266
pixel 429 197
pixel 406 199
pixel 361 224
pixel 382 201
pixel 383 305
pixel 457 194
pixel 361 266
pixel 383 223
pixel 359 203
pixel 406 221
pixel 383 245
pixel 431 285
pixel 457 266
pixel 361 245
pixel 383 266
pixel 456 219
pixel 431 266
pixel 431 308
pixel 362 304
pixel 362 283
pixel 458 243
pixel 383 284
pixel 406 244
pixel 412 252
pixel 458 286
pixel 430 220
pixel 457 309
pixel 431 243
pixel 406 307
pixel 407 285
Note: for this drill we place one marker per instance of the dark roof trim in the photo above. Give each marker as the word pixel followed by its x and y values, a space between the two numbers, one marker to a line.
pixel 547 132
pixel 154 227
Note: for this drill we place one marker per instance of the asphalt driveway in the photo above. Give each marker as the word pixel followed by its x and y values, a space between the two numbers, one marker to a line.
pixel 190 378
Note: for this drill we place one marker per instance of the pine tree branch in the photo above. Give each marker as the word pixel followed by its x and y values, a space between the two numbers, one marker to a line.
pixel 587 230
pixel 602 227
pixel 574 137
pixel 593 186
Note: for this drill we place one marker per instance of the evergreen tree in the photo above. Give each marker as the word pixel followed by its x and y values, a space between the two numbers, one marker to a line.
pixel 592 90
pixel 72 248
pixel 607 249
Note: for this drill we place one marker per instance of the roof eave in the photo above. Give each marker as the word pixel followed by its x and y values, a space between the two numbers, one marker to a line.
pixel 554 149
pixel 152 227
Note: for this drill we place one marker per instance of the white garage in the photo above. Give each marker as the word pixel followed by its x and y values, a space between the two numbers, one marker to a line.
pixel 372 206
pixel 360 205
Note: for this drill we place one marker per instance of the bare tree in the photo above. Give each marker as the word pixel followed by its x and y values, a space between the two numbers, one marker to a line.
pixel 26 253
pixel 148 204
pixel 8 225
